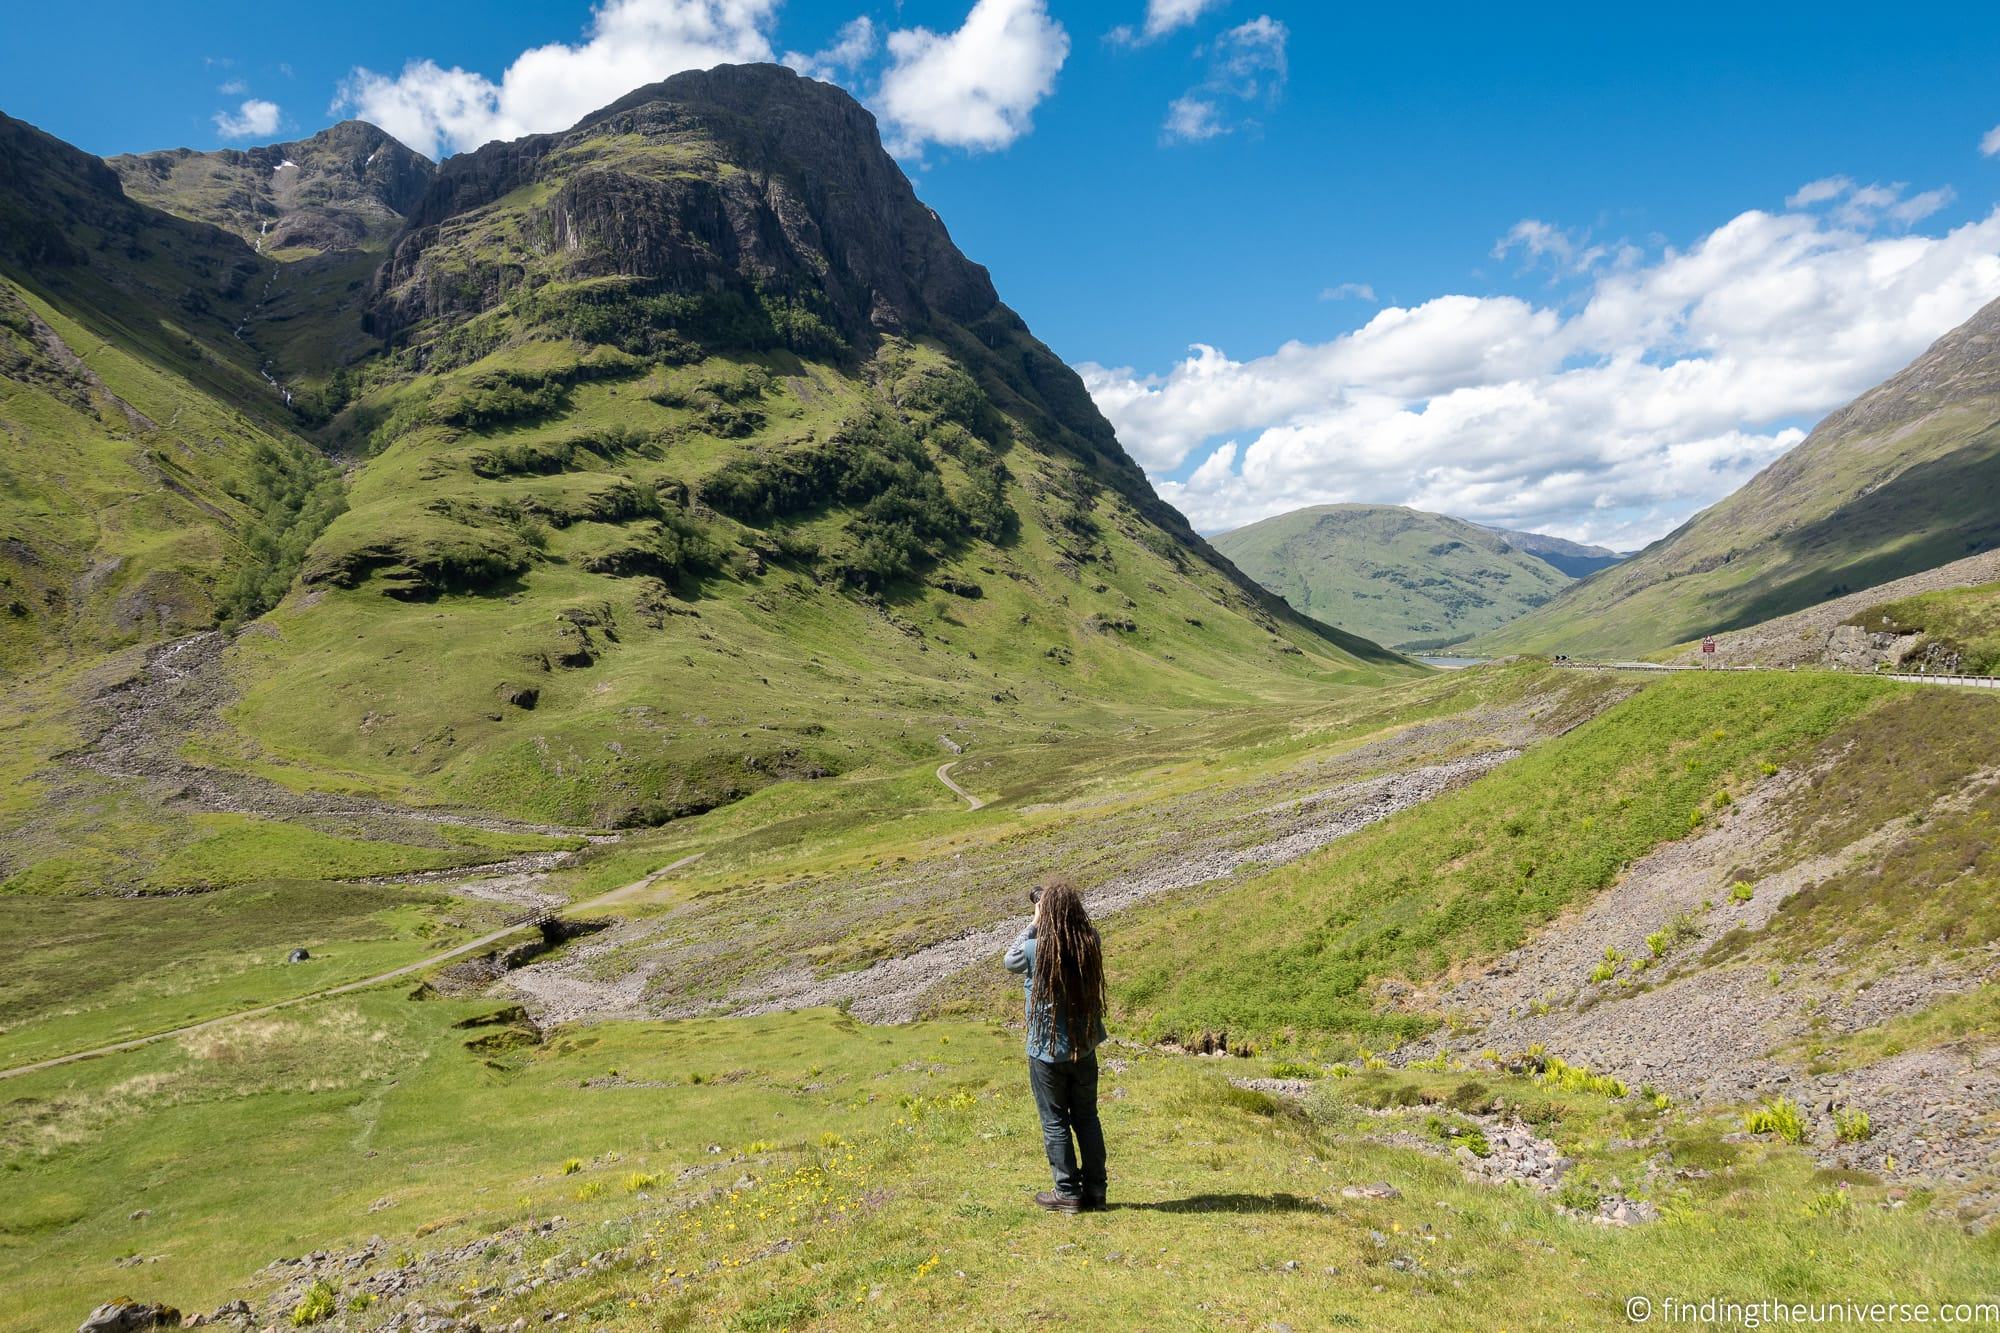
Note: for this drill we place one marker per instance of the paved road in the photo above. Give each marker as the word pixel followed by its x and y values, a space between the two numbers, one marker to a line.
pixel 944 776
pixel 617 895
pixel 1971 682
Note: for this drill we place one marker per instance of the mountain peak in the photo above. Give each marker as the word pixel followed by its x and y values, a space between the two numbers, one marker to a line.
pixel 345 188
pixel 741 175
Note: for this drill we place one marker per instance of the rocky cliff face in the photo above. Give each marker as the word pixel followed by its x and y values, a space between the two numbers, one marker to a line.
pixel 742 174
pixel 336 191
pixel 741 195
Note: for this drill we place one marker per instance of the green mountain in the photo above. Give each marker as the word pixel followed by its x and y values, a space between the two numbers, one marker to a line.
pixel 148 461
pixel 1900 480
pixel 623 472
pixel 1400 576
pixel 683 450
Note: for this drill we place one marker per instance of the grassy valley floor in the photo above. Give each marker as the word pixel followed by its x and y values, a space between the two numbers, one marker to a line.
pixel 456 1149
pixel 806 1170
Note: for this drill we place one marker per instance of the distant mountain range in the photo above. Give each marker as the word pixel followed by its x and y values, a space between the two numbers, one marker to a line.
pixel 1572 558
pixel 1413 580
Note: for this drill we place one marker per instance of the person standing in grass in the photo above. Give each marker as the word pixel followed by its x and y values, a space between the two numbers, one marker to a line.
pixel 1061 965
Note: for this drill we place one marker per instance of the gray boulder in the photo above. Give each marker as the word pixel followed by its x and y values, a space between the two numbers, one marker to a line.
pixel 129 1317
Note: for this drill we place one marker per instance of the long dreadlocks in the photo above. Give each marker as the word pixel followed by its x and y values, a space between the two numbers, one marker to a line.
pixel 1069 964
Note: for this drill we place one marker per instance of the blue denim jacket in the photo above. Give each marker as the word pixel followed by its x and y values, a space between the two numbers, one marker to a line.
pixel 1046 1039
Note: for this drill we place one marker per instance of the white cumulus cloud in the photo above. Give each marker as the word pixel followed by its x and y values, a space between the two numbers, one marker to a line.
pixel 1990 144
pixel 854 45
pixel 1163 17
pixel 1669 381
pixel 630 43
pixel 976 87
pixel 252 120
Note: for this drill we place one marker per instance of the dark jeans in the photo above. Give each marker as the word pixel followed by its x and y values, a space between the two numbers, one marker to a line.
pixel 1066 1098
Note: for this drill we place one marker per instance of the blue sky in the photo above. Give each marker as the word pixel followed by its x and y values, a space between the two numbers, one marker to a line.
pixel 1383 152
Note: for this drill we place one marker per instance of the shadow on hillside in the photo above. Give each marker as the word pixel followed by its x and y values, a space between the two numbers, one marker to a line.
pixel 1229 1203
pixel 1928 515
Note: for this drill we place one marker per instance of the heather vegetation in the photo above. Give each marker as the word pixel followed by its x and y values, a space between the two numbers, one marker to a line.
pixel 1295 954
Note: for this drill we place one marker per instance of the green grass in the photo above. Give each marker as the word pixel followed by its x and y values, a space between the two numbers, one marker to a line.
pixel 840 1129
pixel 1231 1210
pixel 75 986
pixel 1466 876
pixel 266 887
pixel 835 1139
pixel 237 849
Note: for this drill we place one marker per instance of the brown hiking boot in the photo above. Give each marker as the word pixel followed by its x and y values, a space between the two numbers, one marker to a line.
pixel 1059 1203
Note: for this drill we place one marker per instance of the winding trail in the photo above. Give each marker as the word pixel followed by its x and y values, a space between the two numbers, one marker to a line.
pixel 944 776
pixel 617 895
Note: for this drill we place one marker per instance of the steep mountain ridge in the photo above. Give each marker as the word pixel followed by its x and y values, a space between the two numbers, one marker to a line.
pixel 1900 480
pixel 685 453
pixel 748 170
pixel 1400 576
pixel 148 455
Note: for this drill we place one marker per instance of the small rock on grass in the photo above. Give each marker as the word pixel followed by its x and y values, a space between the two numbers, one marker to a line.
pixel 1377 1190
